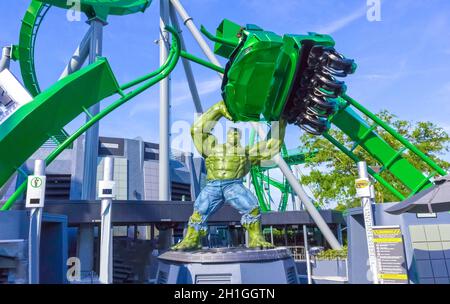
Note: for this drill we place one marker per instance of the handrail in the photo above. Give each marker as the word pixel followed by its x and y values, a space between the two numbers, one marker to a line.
pixel 218 39
pixel 169 64
pixel 202 62
pixel 150 75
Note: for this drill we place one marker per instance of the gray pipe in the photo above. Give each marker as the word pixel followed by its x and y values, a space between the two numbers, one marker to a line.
pixel 5 61
pixel 187 65
pixel 320 222
pixel 79 56
pixel 164 108
pixel 188 21
pixel 91 141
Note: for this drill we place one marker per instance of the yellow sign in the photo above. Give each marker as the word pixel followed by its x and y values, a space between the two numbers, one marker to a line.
pixel 392 276
pixel 387 231
pixel 388 240
pixel 362 183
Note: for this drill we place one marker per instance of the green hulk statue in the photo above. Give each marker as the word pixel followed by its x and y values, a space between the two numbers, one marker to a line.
pixel 226 166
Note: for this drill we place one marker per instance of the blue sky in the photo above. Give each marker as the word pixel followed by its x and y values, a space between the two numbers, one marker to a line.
pixel 404 59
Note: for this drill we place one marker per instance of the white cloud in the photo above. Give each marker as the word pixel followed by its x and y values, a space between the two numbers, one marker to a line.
pixel 343 22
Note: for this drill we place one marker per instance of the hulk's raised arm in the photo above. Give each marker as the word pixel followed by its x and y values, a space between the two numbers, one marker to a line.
pixel 201 130
pixel 267 149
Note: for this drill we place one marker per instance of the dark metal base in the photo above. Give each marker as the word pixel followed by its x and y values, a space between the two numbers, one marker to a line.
pixel 226 255
pixel 227 265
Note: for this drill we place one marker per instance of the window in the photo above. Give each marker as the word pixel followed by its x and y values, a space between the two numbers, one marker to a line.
pixel 181 192
pixel 58 187
pixel 111 146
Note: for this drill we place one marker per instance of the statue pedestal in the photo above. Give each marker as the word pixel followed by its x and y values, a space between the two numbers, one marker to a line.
pixel 227 265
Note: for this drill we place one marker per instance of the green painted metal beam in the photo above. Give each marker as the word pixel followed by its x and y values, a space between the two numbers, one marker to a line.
pixel 265 206
pixel 161 73
pixel 263 177
pixel 202 62
pixel 30 126
pixel 396 135
pixel 377 176
pixel 103 8
pixel 31 22
pixel 365 136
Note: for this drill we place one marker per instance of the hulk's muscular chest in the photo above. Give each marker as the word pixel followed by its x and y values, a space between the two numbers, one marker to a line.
pixel 227 162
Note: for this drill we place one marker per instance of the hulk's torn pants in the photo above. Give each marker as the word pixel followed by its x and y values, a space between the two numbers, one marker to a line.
pixel 218 192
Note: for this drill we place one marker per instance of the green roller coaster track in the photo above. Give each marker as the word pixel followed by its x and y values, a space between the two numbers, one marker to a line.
pixel 263 53
pixel 354 126
pixel 31 23
pixel 64 101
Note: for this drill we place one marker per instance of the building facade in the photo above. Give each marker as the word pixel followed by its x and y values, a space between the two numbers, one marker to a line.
pixel 136 167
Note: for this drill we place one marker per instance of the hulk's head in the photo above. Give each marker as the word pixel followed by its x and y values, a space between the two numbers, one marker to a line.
pixel 233 136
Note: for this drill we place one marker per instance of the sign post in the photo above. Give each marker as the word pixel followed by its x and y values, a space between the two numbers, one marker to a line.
pixel 390 253
pixel 106 194
pixel 365 191
pixel 35 202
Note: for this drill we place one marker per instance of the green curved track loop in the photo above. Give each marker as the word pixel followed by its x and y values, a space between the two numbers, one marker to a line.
pixel 104 7
pixel 28 32
pixel 21 123
pixel 30 27
pixel 35 15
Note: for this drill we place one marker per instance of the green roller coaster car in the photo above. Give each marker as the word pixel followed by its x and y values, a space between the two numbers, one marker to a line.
pixel 269 76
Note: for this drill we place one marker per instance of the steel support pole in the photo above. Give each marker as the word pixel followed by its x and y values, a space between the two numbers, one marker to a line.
pixel 308 259
pixel 34 235
pixel 89 183
pixel 5 61
pixel 320 222
pixel 366 202
pixel 79 56
pixel 164 107
pixel 290 177
pixel 187 64
pixel 106 233
pixel 91 141
pixel 188 21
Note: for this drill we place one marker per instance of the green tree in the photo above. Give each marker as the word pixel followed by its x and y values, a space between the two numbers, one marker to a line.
pixel 333 174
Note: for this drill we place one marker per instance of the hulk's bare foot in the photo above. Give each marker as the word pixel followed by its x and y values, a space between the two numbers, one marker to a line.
pixel 256 238
pixel 190 242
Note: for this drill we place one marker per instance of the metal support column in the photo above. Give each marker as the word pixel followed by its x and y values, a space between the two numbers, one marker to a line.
pixel 79 56
pixel 88 192
pixel 91 141
pixel 188 21
pixel 308 259
pixel 34 236
pixel 164 108
pixel 366 202
pixel 187 64
pixel 106 232
pixel 5 61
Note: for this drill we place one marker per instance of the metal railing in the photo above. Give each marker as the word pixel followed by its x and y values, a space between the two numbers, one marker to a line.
pixel 298 252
